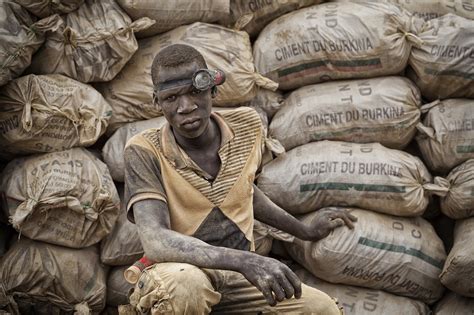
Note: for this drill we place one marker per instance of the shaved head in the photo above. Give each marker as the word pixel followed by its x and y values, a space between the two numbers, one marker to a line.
pixel 174 56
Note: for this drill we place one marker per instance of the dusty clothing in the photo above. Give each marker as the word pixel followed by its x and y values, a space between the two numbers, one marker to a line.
pixel 174 288
pixel 217 210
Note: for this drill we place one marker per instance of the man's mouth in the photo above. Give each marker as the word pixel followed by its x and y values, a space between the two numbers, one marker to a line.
pixel 189 121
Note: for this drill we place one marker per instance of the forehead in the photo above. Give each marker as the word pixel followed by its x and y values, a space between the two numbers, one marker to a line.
pixel 184 71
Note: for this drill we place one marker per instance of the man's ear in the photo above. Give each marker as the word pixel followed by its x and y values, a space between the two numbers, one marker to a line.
pixel 214 91
pixel 155 99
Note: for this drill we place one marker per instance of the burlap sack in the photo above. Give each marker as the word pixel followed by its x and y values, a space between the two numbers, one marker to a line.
pixel 330 173
pixel 432 9
pixel 91 44
pixel 117 287
pixel 269 101
pixel 40 278
pixel 50 113
pixel 446 135
pixel 458 202
pixel 44 8
pixel 252 16
pixel 458 271
pixel 122 246
pixel 171 14
pixel 454 304
pixel 20 38
pixel 112 151
pixel 332 41
pixel 364 301
pixel 66 198
pixel 130 94
pixel 403 256
pixel 384 110
pixel 442 64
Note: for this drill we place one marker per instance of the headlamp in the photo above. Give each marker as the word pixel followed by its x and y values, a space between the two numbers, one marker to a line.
pixel 204 79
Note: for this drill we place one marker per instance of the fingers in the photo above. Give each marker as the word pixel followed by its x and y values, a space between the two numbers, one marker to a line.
pixel 267 294
pixel 295 283
pixel 278 290
pixel 334 223
pixel 346 217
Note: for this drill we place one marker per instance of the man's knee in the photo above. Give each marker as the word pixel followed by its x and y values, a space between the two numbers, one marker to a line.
pixel 176 288
pixel 315 301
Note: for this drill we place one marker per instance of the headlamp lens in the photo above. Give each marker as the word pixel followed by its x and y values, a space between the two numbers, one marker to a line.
pixel 202 80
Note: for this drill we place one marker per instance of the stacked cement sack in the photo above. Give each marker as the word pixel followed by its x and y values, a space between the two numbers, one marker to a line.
pixel 384 110
pixel 363 301
pixel 330 42
pixel 330 173
pixel 45 8
pixel 399 255
pixel 252 16
pixel 453 304
pixel 171 14
pixel 21 36
pixel 446 134
pixel 66 198
pixel 48 113
pixel 442 63
pixel 432 9
pixel 91 44
pixel 41 278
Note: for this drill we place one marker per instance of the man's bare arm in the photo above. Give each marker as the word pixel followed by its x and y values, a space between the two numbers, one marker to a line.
pixel 161 244
pixel 268 212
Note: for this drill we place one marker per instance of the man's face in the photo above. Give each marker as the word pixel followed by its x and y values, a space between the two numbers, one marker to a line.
pixel 186 108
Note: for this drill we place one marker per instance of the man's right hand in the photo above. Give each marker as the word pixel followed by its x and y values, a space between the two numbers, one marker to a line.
pixel 274 279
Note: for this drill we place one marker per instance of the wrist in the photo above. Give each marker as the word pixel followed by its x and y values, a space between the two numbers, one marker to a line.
pixel 309 233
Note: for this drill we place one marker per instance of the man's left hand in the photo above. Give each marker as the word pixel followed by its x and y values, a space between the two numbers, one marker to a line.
pixel 326 220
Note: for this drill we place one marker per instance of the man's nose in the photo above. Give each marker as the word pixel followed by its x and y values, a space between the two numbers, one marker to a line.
pixel 186 105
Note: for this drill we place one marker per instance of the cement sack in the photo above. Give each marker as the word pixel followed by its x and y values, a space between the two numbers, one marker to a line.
pixel 117 287
pixel 458 202
pixel 403 256
pixel 446 135
pixel 442 65
pixel 269 101
pixel 432 9
pixel 45 8
pixel 66 198
pixel 458 271
pixel 454 304
pixel 20 38
pixel 40 278
pixel 330 173
pixel 122 246
pixel 384 110
pixel 334 41
pixel 252 16
pixel 364 301
pixel 91 44
pixel 171 14
pixel 131 93
pixel 48 113
pixel 112 151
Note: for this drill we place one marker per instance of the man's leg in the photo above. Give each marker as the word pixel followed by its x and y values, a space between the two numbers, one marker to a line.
pixel 174 288
pixel 240 297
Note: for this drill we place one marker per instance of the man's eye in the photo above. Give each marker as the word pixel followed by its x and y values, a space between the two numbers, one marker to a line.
pixel 171 98
pixel 196 91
